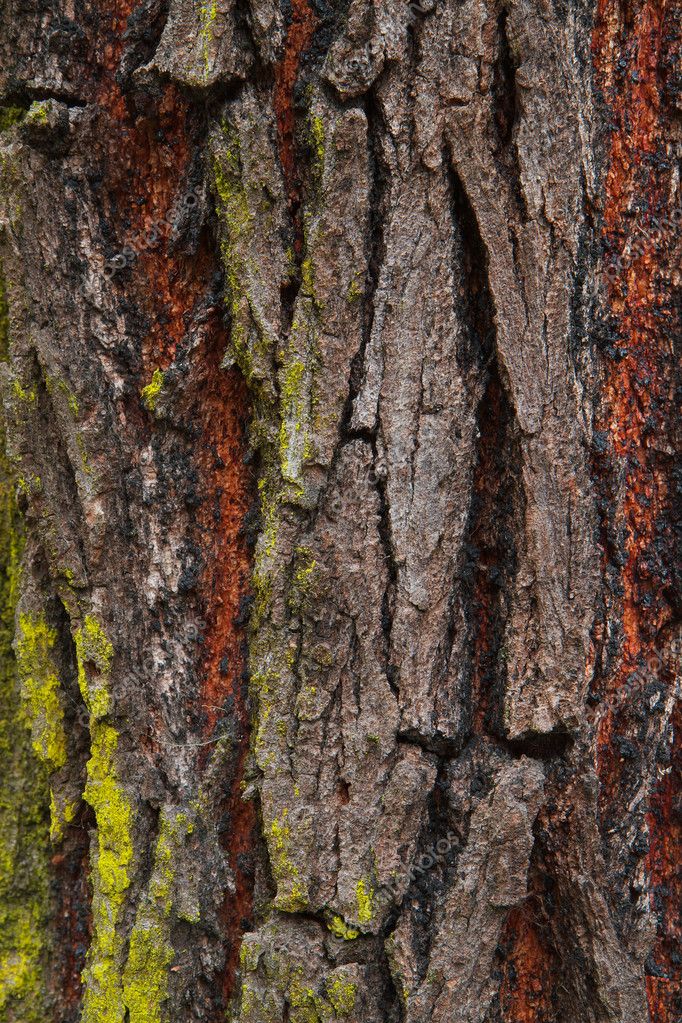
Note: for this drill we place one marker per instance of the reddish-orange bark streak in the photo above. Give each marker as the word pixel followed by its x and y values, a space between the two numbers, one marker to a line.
pixel 637 398
pixel 299 37
pixel 636 387
pixel 226 479
pixel 528 969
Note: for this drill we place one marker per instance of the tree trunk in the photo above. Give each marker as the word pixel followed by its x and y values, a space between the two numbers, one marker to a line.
pixel 340 636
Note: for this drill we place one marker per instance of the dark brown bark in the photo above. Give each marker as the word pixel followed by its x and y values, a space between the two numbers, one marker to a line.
pixel 341 624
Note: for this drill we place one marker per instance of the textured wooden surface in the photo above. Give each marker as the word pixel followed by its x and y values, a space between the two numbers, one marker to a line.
pixel 341 407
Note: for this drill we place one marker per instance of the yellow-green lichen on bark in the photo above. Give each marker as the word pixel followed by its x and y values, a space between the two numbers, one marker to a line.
pixel 150 393
pixel 112 857
pixel 340 929
pixel 55 387
pixel 208 12
pixel 317 139
pixel 275 978
pixel 250 953
pixel 41 688
pixel 23 395
pixel 62 812
pixel 297 394
pixel 271 654
pixel 24 792
pixel 302 579
pixel 112 851
pixel 365 901
pixel 145 978
pixel 30 486
pixel 93 648
pixel 10 116
pixel 280 374
pixel 265 561
pixel 85 466
pixel 293 401
pixel 292 893
pixel 37 113
pixel 249 345
pixel 146 973
pixel 342 993
pixel 355 291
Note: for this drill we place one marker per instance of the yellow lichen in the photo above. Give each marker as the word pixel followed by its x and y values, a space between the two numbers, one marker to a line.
pixel 113 857
pixel 145 978
pixel 93 648
pixel 103 995
pixel 292 895
pixel 292 404
pixel 208 13
pixel 307 998
pixel 308 279
pixel 62 812
pixel 112 810
pixel 365 901
pixel 297 398
pixel 341 994
pixel 150 393
pixel 37 113
pixel 317 140
pixel 300 588
pixel 306 1005
pixel 24 791
pixel 250 953
pixel 340 929
pixel 250 343
pixel 83 453
pixel 354 292
pixel 147 974
pixel 41 689
pixel 59 385
pixel 10 116
pixel 31 486
pixel 23 395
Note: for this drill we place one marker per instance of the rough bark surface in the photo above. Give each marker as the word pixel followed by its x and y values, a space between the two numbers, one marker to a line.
pixel 340 626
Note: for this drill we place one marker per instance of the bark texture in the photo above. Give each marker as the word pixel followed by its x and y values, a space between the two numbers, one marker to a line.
pixel 340 637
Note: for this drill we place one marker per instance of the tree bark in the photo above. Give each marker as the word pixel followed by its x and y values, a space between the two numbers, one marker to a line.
pixel 341 618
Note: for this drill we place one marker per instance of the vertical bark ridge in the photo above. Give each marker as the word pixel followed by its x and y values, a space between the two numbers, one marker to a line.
pixel 24 819
pixel 156 314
